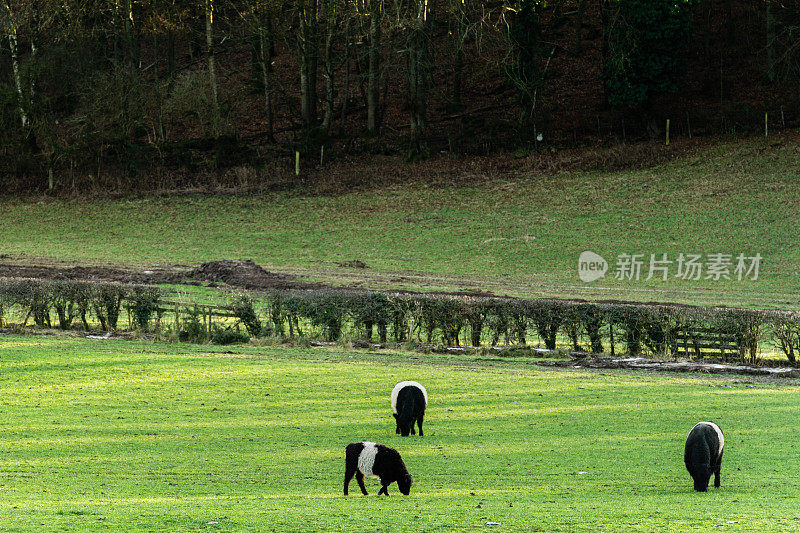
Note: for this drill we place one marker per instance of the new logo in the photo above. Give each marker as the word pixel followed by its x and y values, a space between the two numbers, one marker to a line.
pixel 591 266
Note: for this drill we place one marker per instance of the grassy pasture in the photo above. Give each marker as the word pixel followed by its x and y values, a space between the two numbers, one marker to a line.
pixel 518 234
pixel 136 436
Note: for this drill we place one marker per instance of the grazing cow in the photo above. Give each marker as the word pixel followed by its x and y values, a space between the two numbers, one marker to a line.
pixel 409 400
pixel 703 454
pixel 375 460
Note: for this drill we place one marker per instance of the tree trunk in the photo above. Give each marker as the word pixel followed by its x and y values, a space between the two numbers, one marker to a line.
pixel 460 28
pixel 709 79
pixel 419 64
pixel 11 30
pixel 35 32
pixel 770 20
pixel 157 86
pixel 128 24
pixel 12 42
pixel 330 30
pixel 607 12
pixel 118 53
pixel 265 53
pixel 212 69
pixel 476 326
pixel 307 48
pixel 265 58
pixel 373 77
pixel 577 48
pixel 730 26
pixel 651 122
pixel 346 87
pixel 458 70
pixel 170 60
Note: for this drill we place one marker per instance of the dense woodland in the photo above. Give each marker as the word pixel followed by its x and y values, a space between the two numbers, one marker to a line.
pixel 144 94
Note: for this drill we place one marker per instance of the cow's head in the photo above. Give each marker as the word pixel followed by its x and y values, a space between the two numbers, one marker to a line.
pixel 405 423
pixel 700 475
pixel 404 483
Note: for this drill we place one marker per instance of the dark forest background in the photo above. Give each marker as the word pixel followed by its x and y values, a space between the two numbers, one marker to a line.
pixel 126 95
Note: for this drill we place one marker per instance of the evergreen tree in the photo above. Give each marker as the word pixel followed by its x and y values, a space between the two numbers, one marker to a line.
pixel 646 55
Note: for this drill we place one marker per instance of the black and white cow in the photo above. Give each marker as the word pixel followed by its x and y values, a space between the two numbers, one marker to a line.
pixel 409 400
pixel 368 459
pixel 703 454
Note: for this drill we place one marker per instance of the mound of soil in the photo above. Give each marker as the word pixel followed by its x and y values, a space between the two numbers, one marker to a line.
pixel 245 274
pixel 356 263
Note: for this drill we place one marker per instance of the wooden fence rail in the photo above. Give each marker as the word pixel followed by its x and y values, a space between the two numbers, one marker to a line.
pixel 704 342
pixel 207 311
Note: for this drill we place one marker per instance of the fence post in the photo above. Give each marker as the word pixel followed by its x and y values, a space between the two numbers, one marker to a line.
pixel 611 336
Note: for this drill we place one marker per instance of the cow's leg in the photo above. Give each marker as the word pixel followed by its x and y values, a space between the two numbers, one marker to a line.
pixel 383 490
pixel 360 479
pixel 413 431
pixel 419 423
pixel 717 471
pixel 397 421
pixel 348 475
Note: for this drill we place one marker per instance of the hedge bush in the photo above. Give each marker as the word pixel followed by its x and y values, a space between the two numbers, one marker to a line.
pixel 786 333
pixel 145 302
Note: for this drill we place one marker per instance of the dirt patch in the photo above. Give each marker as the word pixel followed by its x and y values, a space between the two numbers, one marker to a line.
pixel 243 274
pixel 640 363
pixel 86 273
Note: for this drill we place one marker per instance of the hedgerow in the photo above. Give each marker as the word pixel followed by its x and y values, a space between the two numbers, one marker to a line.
pixel 450 320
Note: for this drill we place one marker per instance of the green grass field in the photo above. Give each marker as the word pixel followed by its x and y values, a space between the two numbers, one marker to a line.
pixel 521 235
pixel 134 436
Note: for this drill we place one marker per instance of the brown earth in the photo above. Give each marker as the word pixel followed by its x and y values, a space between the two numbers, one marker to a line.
pixel 89 273
pixel 242 274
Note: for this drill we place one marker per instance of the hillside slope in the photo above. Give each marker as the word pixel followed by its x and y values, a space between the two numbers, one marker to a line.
pixel 513 232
